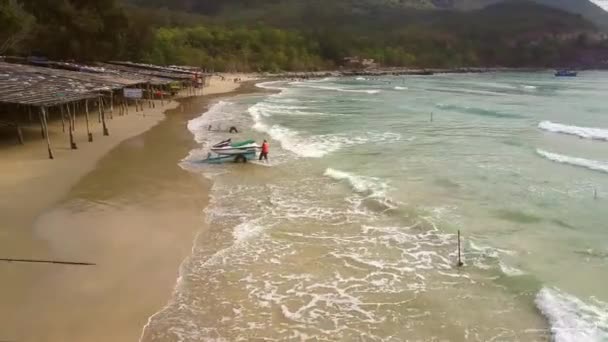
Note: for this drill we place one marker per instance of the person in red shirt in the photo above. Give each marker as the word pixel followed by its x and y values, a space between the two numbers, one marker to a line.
pixel 265 150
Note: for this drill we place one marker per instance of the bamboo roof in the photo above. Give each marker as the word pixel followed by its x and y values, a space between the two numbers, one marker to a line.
pixel 150 77
pixel 151 70
pixel 35 86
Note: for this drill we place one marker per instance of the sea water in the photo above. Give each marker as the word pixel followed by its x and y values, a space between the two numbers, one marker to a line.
pixel 349 232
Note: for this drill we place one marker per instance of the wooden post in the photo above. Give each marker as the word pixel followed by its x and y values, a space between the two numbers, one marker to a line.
pixel 62 119
pixel 86 115
pixel 431 116
pixel 103 118
pixel 99 111
pixel 45 129
pixel 112 102
pixel 460 264
pixel 73 116
pixel 20 134
pixel 162 100
pixel 42 129
pixel 594 193
pixel 72 143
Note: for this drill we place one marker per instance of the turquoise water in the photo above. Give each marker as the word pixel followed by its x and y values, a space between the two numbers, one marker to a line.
pixel 349 233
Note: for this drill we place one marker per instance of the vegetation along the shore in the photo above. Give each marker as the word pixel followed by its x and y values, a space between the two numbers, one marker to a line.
pixel 272 35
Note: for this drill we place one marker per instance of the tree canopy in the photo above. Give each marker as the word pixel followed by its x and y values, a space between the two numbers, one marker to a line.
pixel 272 35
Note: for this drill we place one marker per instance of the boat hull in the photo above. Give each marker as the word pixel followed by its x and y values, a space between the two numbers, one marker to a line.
pixel 220 159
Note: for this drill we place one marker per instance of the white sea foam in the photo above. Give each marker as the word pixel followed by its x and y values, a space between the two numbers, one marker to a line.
pixel 587 163
pixel 315 146
pixel 400 88
pixel 246 231
pixel 529 87
pixel 571 319
pixel 510 270
pixel 369 185
pixel 361 78
pixel 344 90
pixel 199 124
pixel 270 85
pixel 583 132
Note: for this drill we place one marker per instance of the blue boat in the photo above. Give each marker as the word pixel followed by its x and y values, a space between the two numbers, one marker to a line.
pixel 566 73
pixel 233 158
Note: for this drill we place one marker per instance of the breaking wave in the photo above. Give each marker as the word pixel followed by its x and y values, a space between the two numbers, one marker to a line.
pixel 572 319
pixel 586 163
pixel 366 91
pixel 371 186
pixel 583 132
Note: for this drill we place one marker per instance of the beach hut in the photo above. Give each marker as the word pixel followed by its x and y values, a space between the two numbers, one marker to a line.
pixel 26 89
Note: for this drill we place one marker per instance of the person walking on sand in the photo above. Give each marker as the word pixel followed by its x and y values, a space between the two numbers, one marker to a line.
pixel 265 150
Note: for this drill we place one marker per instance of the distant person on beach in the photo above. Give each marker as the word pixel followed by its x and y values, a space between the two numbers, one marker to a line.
pixel 265 150
pixel 233 129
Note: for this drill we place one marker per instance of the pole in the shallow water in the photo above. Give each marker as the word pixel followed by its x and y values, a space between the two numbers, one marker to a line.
pixel 431 117
pixel 460 264
pixel 594 193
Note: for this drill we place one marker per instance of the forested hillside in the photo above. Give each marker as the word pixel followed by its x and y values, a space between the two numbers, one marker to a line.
pixel 252 35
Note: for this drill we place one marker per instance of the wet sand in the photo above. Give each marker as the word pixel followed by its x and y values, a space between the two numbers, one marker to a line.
pixel 134 213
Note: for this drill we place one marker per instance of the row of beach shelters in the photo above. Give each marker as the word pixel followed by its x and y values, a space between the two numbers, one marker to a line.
pixel 38 90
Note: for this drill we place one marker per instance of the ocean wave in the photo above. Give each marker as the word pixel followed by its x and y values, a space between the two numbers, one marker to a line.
pixel 510 270
pixel 400 88
pixel 478 111
pixel 312 147
pixel 344 90
pixel 270 85
pixel 572 319
pixel 371 186
pixel 246 231
pixel 583 132
pixel 200 124
pixel 315 146
pixel 361 78
pixel 586 163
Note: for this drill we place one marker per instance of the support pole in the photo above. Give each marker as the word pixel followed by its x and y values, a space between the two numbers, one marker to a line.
pixel 72 143
pixel 460 264
pixel 86 115
pixel 112 103
pixel 42 129
pixel 20 134
pixel 45 130
pixel 103 118
pixel 73 116
pixel 62 119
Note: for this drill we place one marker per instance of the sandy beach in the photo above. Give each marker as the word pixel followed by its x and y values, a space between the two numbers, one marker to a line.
pixel 121 202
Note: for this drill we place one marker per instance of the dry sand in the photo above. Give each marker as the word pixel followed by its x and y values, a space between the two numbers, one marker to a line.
pixel 121 202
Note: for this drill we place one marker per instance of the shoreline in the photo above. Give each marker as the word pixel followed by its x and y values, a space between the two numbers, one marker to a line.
pixel 77 211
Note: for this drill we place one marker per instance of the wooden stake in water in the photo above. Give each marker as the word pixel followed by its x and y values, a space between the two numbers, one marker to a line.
pixel 431 117
pixel 594 193
pixel 460 264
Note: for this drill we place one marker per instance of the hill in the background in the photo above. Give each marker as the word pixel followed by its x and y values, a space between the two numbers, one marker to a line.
pixel 586 8
pixel 252 35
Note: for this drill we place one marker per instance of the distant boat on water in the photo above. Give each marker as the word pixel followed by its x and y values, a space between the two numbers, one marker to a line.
pixel 566 73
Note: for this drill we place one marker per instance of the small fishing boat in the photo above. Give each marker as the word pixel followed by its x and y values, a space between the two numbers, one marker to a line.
pixel 566 73
pixel 219 159
pixel 227 147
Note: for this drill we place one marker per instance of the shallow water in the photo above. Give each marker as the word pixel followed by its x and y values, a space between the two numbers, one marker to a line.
pixel 349 233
